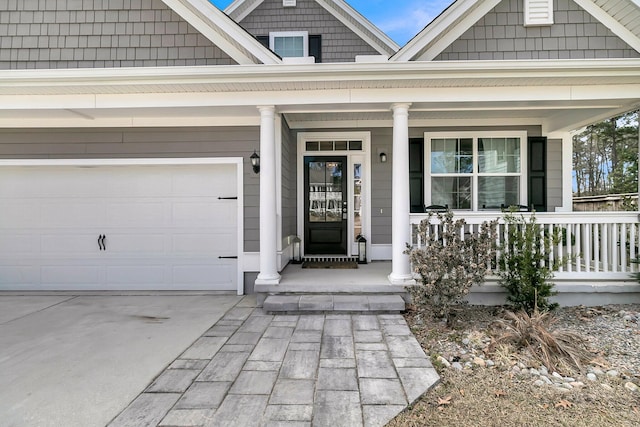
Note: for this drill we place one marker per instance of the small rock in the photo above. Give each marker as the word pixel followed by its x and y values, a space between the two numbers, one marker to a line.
pixel 557 387
pixel 521 365
pixel 613 373
pixel 598 371
pixel 468 365
pixel 539 383
pixel 592 377
pixel 556 375
pixel 566 385
pixel 457 366
pixel 577 384
pixel 631 386
pixel 546 379
pixel 606 387
pixel 443 361
pixel 465 341
pixel 479 362
pixel 628 318
pixel 569 379
pixel 534 372
pixel 515 369
pixel 490 363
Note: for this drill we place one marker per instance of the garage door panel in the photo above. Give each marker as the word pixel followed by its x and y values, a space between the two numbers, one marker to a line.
pixel 203 214
pixel 131 275
pixel 14 244
pixel 19 275
pixel 149 181
pixel 219 276
pixel 63 275
pixel 69 243
pixel 135 243
pixel 221 181
pixel 78 182
pixel 19 214
pixel 137 214
pixel 72 213
pixel 216 244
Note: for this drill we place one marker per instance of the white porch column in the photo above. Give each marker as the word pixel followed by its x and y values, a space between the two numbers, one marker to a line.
pixel 400 201
pixel 567 172
pixel 268 214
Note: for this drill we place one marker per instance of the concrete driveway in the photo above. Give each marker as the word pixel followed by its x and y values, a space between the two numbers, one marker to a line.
pixel 78 360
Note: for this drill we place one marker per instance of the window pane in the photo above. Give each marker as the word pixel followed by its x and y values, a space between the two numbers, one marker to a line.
pixel 288 47
pixel 454 192
pixel 452 155
pixel 341 145
pixel 499 155
pixel 497 191
pixel 312 145
pixel 326 145
pixel 355 145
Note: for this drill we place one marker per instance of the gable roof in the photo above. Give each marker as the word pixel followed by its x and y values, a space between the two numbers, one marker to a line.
pixel 240 9
pixel 622 17
pixel 223 31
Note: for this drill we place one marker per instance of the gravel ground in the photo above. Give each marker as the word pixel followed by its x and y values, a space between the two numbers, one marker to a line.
pixel 488 385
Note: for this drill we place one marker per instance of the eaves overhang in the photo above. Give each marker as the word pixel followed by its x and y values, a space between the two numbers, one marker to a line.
pixel 248 78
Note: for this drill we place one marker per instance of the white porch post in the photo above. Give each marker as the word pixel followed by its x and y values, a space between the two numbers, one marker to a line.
pixel 400 201
pixel 268 214
pixel 567 172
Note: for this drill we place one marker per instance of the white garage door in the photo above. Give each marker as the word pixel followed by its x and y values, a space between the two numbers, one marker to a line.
pixel 164 227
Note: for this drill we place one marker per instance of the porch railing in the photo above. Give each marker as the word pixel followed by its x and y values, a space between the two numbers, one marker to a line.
pixel 600 245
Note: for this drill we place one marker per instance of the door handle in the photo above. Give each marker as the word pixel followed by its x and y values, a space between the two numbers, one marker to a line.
pixel 101 244
pixel 100 241
pixel 104 245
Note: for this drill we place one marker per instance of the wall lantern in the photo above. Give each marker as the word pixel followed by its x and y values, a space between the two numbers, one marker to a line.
pixel 383 157
pixel 362 249
pixel 297 250
pixel 255 162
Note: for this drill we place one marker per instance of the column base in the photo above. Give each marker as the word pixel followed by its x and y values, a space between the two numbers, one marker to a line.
pixel 268 280
pixel 401 279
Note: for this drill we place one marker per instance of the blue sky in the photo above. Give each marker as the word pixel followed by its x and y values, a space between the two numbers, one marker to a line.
pixel 401 20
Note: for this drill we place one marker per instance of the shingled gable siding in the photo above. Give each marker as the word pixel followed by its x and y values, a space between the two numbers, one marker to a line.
pixel 339 43
pixel 501 34
pixel 147 143
pixel 99 34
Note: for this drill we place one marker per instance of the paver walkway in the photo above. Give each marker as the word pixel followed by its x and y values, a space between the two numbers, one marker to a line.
pixel 257 369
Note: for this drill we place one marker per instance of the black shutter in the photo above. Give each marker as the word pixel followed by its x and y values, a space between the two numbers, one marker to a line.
pixel 264 40
pixel 315 47
pixel 537 182
pixel 416 174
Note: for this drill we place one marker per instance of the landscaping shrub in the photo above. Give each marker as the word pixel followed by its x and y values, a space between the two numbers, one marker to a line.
pixel 525 267
pixel 450 260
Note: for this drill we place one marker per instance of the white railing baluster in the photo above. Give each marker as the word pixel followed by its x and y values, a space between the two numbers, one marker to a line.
pixel 579 228
pixel 569 247
pixel 623 248
pixel 633 267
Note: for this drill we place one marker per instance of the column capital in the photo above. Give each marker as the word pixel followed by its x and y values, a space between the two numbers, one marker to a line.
pixel 264 109
pixel 398 107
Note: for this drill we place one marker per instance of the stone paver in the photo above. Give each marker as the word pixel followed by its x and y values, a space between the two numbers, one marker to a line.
pixel 258 369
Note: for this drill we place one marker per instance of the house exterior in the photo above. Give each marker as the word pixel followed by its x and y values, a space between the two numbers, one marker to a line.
pixel 126 130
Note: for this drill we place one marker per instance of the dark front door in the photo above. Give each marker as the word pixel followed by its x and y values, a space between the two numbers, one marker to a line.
pixel 325 205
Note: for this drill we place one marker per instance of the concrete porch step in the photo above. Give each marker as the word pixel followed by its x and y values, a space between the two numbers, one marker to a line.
pixel 322 303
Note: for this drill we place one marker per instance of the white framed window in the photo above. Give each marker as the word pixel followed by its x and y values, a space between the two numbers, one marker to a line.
pixel 290 44
pixel 475 170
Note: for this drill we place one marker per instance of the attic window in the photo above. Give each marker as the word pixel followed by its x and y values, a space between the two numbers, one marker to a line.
pixel 538 12
pixel 290 44
pixel 289 3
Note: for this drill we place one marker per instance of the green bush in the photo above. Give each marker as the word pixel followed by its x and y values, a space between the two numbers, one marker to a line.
pixel 449 261
pixel 525 267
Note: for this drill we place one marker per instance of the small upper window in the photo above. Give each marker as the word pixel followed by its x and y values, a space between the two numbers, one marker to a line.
pixel 290 44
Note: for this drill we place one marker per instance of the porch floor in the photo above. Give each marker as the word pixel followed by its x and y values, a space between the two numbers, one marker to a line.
pixel 367 278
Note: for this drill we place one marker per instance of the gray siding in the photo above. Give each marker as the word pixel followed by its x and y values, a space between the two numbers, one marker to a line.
pixel 136 143
pixel 500 34
pixel 554 174
pixel 339 43
pixel 289 182
pixel 99 34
